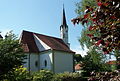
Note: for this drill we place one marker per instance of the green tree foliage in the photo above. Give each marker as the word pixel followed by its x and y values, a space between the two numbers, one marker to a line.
pixel 18 74
pixel 94 62
pixel 80 10
pixel 42 75
pixel 101 21
pixel 105 20
pixel 21 74
pixel 11 54
pixel 84 39
pixel 117 55
pixel 81 6
pixel 67 77
pixel 77 58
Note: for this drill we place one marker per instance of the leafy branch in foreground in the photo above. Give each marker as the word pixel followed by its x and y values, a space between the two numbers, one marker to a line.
pixel 105 20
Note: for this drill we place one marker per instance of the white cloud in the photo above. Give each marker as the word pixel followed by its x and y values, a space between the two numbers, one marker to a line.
pixel 4 31
pixel 79 50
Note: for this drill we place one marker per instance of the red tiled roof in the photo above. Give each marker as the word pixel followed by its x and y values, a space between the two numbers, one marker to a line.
pixel 78 67
pixel 28 42
pixel 52 42
pixel 113 62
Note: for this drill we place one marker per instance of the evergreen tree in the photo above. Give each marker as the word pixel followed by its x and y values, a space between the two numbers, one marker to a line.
pixel 11 54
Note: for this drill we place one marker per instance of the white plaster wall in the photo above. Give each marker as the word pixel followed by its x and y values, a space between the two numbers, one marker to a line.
pixel 33 59
pixel 63 62
pixel 40 44
pixel 48 57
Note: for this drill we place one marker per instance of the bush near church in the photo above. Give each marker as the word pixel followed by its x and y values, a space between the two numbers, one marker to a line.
pixel 42 75
pixel 21 74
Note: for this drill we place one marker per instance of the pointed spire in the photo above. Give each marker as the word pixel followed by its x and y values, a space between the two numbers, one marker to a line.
pixel 64 17
pixel 64 28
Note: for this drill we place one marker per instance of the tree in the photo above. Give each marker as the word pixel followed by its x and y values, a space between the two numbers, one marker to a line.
pixel 77 58
pixel 11 54
pixel 105 20
pixel 94 62
pixel 81 6
pixel 117 55
pixel 86 31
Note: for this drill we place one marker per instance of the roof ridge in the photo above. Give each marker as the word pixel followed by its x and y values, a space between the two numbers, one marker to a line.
pixel 52 42
pixel 42 34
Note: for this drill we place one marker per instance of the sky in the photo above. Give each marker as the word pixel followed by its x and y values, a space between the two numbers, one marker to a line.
pixel 40 16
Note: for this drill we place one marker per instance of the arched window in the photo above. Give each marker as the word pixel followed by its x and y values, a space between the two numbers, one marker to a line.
pixel 45 63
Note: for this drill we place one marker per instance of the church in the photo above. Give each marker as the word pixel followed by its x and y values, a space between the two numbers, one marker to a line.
pixel 47 52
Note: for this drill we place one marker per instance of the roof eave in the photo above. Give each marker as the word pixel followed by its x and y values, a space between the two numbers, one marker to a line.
pixel 64 51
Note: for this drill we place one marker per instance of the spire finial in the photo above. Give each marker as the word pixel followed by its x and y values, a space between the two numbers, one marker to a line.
pixel 63 5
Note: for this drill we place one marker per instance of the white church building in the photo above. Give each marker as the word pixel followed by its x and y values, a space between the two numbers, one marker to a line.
pixel 47 52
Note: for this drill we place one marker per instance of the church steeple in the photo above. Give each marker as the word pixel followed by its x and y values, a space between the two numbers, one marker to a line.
pixel 64 17
pixel 64 28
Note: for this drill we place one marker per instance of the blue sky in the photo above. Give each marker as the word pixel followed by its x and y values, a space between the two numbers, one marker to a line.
pixel 40 16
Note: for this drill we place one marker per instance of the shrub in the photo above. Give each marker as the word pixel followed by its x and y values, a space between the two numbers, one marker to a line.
pixel 42 75
pixel 21 74
pixel 18 74
pixel 105 76
pixel 67 77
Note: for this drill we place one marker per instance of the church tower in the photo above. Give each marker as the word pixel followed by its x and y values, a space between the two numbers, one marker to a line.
pixel 64 28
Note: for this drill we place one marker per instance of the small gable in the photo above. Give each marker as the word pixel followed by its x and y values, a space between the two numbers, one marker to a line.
pixel 28 43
